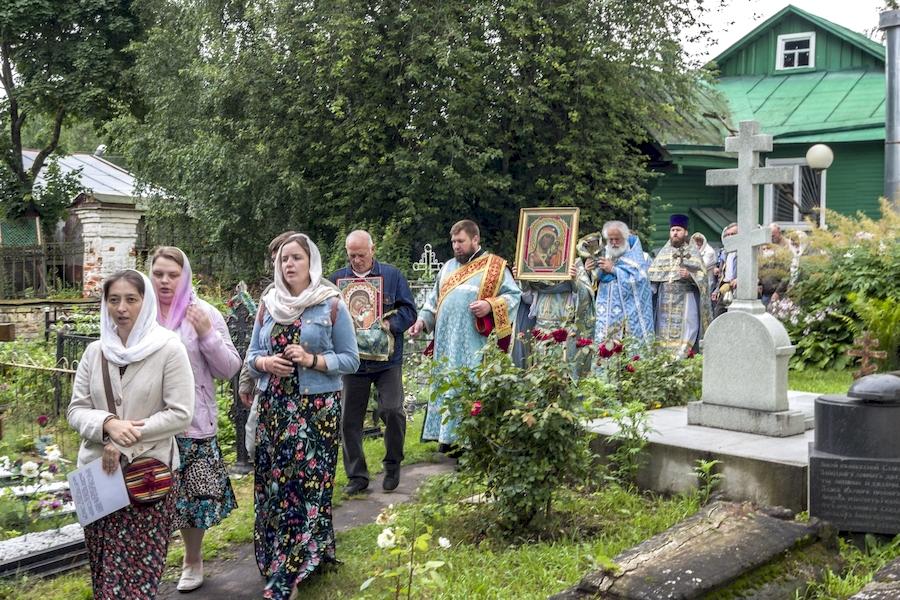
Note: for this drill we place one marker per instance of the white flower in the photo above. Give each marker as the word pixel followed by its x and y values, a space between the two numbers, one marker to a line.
pixel 444 542
pixel 47 477
pixel 30 469
pixel 53 455
pixel 387 539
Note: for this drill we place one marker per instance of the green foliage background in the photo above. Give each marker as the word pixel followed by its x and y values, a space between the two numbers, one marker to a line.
pixel 400 118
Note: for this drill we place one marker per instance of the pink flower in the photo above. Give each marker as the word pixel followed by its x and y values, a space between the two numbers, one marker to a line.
pixel 312 463
pixel 476 408
pixel 560 335
pixel 690 354
pixel 629 368
pixel 43 420
pixel 582 342
pixel 604 352
pixel 636 357
pixel 292 429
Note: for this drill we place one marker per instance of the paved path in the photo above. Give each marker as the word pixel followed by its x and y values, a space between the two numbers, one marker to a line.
pixel 238 578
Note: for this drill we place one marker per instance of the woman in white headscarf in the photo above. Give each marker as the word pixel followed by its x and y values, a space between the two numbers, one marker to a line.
pixel 302 343
pixel 708 254
pixel 152 387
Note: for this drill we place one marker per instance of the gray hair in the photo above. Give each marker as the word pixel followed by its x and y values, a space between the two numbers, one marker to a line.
pixel 622 227
pixel 360 233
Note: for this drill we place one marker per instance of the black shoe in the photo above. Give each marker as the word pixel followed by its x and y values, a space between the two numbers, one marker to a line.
pixel 391 480
pixel 355 486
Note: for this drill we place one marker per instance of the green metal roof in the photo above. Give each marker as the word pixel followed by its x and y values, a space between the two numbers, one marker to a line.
pixel 857 39
pixel 807 103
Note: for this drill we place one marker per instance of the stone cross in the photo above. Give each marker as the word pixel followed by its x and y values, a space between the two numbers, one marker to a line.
pixel 748 177
pixel 865 352
pixel 428 264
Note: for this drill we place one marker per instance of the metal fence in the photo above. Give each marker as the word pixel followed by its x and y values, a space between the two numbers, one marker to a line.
pixel 52 268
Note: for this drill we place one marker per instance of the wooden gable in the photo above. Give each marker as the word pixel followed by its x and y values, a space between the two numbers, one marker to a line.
pixel 836 48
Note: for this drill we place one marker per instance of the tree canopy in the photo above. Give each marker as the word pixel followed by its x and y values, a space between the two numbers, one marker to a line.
pixel 61 61
pixel 401 117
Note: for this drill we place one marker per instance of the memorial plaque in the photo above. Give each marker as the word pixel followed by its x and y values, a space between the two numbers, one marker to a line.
pixel 854 462
pixel 855 494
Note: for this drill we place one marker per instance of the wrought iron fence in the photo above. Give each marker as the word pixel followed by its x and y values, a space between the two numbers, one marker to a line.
pixel 52 268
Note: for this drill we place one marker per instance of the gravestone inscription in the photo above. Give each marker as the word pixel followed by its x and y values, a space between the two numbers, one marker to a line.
pixel 854 462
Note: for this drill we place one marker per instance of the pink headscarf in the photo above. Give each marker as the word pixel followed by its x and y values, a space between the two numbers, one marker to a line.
pixel 184 295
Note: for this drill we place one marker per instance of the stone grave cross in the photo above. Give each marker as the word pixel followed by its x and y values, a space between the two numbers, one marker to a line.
pixel 748 177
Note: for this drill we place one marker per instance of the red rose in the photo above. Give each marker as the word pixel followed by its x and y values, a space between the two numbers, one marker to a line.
pixel 604 352
pixel 560 335
pixel 630 368
pixel 536 333
pixel 636 357
pixel 617 347
pixel 690 354
pixel 582 342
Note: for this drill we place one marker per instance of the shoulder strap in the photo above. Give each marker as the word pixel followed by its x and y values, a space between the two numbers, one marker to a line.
pixel 334 309
pixel 261 313
pixel 107 385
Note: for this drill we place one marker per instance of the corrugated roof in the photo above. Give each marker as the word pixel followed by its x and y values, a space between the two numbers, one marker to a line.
pixel 856 39
pixel 105 181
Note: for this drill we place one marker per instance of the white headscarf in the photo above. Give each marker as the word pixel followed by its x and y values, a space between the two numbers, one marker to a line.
pixel 284 307
pixel 146 337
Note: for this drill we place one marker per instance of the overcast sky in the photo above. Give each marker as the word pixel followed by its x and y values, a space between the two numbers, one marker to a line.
pixel 741 17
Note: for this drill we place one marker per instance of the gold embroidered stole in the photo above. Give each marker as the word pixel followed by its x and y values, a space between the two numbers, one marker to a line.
pixel 492 268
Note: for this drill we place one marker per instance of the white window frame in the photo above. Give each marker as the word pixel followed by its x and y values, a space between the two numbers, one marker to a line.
pixel 793 37
pixel 769 195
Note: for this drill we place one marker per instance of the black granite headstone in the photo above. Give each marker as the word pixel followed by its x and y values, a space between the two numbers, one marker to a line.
pixel 854 462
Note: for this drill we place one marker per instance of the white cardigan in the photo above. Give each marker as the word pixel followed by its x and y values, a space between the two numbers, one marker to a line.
pixel 158 390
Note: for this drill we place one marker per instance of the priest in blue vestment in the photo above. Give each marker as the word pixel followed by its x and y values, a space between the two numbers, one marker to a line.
pixel 474 294
pixel 624 301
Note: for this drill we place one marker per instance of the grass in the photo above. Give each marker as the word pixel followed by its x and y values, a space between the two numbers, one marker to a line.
pixel 821 382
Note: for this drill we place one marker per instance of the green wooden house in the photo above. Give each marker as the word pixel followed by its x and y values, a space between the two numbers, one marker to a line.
pixel 807 81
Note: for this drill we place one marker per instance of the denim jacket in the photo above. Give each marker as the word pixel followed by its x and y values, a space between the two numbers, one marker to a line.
pixel 395 296
pixel 335 343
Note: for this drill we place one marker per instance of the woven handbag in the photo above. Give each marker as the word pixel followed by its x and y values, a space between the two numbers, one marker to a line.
pixel 148 480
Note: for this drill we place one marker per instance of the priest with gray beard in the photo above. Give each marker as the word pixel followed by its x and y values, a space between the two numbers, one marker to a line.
pixel 624 302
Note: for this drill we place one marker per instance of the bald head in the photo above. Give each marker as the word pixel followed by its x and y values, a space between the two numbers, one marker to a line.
pixel 360 251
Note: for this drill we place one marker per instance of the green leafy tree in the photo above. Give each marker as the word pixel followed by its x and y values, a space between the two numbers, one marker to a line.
pixel 403 117
pixel 60 60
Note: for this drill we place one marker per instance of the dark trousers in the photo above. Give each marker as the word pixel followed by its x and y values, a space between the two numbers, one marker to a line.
pixel 355 401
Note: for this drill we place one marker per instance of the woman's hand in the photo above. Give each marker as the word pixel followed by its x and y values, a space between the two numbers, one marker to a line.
pixel 247 400
pixel 111 456
pixel 124 433
pixel 276 364
pixel 198 319
pixel 298 355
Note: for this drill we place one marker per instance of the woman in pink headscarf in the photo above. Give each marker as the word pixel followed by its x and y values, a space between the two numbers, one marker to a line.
pixel 205 496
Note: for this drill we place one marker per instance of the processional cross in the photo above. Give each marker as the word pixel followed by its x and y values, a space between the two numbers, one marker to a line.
pixel 748 177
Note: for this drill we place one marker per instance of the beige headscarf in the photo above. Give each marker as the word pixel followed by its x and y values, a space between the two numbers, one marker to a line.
pixel 284 307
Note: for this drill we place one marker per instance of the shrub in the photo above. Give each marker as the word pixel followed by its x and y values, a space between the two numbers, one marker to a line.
pixel 521 427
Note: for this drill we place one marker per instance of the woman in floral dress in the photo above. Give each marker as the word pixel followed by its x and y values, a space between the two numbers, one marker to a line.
pixel 302 343
pixel 153 387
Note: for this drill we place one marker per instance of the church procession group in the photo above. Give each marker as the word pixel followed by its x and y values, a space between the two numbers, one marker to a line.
pixel 144 402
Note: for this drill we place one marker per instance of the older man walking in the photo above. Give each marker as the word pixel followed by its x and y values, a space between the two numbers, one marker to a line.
pixel 382 370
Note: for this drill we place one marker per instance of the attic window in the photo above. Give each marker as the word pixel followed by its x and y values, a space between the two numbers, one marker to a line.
pixel 796 51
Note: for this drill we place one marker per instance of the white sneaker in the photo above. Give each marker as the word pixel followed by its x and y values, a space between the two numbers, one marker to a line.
pixel 191 579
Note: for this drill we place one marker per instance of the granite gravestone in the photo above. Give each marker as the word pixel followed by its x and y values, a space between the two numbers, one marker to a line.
pixel 746 350
pixel 854 462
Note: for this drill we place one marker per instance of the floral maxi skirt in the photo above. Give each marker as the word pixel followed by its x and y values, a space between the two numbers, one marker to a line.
pixel 127 550
pixel 297 446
